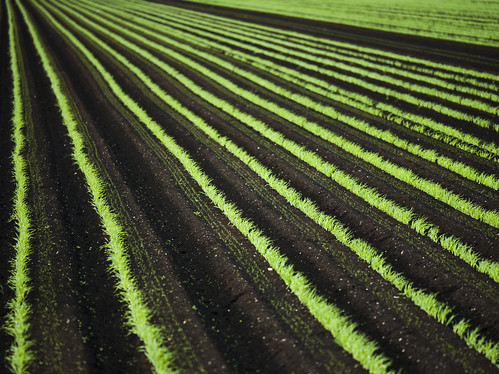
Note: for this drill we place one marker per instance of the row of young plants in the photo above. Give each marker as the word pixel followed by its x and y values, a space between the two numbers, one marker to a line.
pixel 17 319
pixel 463 21
pixel 420 224
pixel 407 62
pixel 330 316
pixel 413 121
pixel 351 74
pixel 336 57
pixel 138 316
pixel 432 155
pixel 272 134
pixel 405 65
pixel 427 301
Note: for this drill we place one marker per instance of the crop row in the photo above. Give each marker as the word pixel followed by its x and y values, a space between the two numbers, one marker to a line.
pixel 428 303
pixel 330 316
pixel 386 135
pixel 405 215
pixel 17 320
pixel 326 87
pixel 463 21
pixel 411 63
pixel 139 316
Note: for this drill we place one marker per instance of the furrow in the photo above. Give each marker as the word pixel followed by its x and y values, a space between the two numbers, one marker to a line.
pixel 334 56
pixel 458 167
pixel 389 17
pixel 376 83
pixel 450 71
pixel 417 122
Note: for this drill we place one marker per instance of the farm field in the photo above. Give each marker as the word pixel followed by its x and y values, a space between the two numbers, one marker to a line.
pixel 226 188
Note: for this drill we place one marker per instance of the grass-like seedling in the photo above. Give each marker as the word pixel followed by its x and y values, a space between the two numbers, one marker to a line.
pixel 330 316
pixel 138 316
pixel 21 350
pixel 405 215
pixel 425 300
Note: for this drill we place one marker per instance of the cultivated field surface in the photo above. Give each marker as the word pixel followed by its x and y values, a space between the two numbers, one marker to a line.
pixel 190 187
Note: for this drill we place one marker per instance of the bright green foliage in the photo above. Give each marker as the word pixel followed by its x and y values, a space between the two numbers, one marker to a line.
pixel 334 61
pixel 432 188
pixel 138 315
pixel 402 214
pixel 462 20
pixel 385 61
pixel 425 300
pixel 349 73
pixel 429 154
pixel 454 72
pixel 21 353
pixel 330 316
pixel 342 327
pixel 416 122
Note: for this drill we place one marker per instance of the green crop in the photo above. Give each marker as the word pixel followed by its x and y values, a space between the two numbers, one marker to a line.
pixel 402 173
pixel 466 21
pixel 419 123
pixel 21 353
pixel 402 214
pixel 138 316
pixel 429 154
pixel 425 300
pixel 331 317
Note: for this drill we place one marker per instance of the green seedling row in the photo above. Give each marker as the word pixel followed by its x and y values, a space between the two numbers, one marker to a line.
pixel 336 57
pixel 21 353
pixel 138 316
pixel 432 188
pixel 383 59
pixel 405 215
pixel 327 67
pixel 446 71
pixel 418 123
pixel 331 317
pixel 423 299
pixel 458 167
pixel 470 22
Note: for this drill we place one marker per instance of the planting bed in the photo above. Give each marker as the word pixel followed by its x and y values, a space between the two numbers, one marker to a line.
pixel 193 188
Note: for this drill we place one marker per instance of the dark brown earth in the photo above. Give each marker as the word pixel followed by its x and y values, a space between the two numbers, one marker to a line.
pixel 220 305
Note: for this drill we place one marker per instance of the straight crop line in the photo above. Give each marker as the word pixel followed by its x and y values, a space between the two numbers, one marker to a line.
pixel 377 56
pixel 402 214
pixel 431 155
pixel 439 69
pixel 334 56
pixel 20 354
pixel 425 300
pixel 138 315
pixel 324 66
pixel 444 26
pixel 288 55
pixel 412 121
pixel 331 317
pixel 472 209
